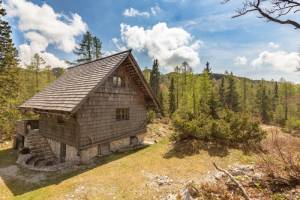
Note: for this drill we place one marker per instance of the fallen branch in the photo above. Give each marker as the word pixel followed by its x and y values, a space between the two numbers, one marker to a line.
pixel 245 194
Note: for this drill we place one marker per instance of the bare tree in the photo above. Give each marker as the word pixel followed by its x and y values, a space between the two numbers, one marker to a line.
pixel 277 11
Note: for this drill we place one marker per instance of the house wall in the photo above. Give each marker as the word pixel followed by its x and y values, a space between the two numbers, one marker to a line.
pixel 97 116
pixel 71 152
pixel 63 132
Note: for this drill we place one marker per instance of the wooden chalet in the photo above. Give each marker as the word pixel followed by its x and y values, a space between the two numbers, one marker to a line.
pixel 93 109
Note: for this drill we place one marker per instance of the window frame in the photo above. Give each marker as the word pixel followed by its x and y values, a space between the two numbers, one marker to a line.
pixel 122 114
pixel 118 81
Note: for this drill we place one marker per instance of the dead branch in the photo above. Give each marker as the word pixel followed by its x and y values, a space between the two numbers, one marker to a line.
pixel 271 10
pixel 245 194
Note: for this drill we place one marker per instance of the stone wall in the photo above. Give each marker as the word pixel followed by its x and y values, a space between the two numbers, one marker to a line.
pixel 141 138
pixel 87 154
pixel 71 152
pixel 118 144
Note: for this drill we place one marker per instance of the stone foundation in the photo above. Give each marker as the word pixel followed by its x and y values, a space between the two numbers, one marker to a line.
pixel 71 152
pixel 118 144
pixel 141 138
pixel 87 154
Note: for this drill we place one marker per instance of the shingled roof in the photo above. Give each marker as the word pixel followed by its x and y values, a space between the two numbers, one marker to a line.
pixel 69 91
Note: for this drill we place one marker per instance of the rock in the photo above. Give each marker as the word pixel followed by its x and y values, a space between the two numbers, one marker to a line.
pixel 170 197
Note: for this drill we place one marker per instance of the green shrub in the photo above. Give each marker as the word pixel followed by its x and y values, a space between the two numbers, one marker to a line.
pixel 293 124
pixel 151 115
pixel 231 128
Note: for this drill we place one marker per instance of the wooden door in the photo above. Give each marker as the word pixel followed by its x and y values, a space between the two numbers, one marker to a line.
pixel 62 152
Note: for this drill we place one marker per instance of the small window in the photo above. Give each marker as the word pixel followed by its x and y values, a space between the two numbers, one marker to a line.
pixel 122 114
pixel 118 81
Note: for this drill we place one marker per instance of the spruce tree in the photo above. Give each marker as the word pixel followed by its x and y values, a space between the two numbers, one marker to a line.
pixel 172 101
pixel 213 105
pixel 10 85
pixel 222 91
pixel 89 48
pixel 275 97
pixel 36 63
pixel 154 78
pixel 231 95
pixel 97 44
pixel 161 102
pixel 244 95
pixel 177 71
pixel 263 102
pixel 207 68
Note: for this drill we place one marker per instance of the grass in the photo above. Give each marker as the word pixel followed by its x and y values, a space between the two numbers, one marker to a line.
pixel 118 176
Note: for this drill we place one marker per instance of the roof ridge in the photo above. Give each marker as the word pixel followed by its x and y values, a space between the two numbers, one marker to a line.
pixel 128 50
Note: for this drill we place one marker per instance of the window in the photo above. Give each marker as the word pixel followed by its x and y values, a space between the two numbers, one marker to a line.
pixel 118 81
pixel 122 114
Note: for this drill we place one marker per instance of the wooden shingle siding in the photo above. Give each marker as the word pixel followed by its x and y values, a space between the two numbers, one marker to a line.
pixel 97 117
pixel 65 133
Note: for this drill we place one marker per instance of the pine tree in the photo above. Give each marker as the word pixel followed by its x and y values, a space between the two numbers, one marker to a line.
pixel 172 103
pixel 263 102
pixel 177 71
pixel 285 87
pixel 275 97
pixel 231 95
pixel 36 63
pixel 89 48
pixel 10 85
pixel 207 68
pixel 244 95
pixel 213 105
pixel 161 102
pixel 154 78
pixel 222 91
pixel 97 47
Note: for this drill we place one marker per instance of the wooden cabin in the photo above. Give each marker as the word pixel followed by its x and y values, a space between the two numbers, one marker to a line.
pixel 93 109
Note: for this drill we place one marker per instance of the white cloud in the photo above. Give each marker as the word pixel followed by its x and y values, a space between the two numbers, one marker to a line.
pixel 171 46
pixel 154 10
pixel 26 53
pixel 240 60
pixel 132 12
pixel 42 27
pixel 273 45
pixel 278 60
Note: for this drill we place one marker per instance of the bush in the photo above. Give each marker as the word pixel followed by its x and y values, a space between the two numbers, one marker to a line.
pixel 151 115
pixel 292 124
pixel 231 128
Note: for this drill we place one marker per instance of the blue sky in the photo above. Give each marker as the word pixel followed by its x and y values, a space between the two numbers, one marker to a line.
pixel 170 30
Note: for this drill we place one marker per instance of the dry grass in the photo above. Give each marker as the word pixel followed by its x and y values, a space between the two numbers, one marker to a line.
pixel 121 176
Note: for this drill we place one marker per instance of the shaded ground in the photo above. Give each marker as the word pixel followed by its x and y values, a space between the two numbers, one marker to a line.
pixel 142 174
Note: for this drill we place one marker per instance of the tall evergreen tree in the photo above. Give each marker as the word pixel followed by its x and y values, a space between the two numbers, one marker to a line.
pixel 172 101
pixel 213 105
pixel 231 95
pixel 244 95
pixel 154 78
pixel 222 91
pixel 207 68
pixel 89 48
pixel 285 87
pixel 97 44
pixel 275 97
pixel 177 71
pixel 263 102
pixel 36 63
pixel 10 85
